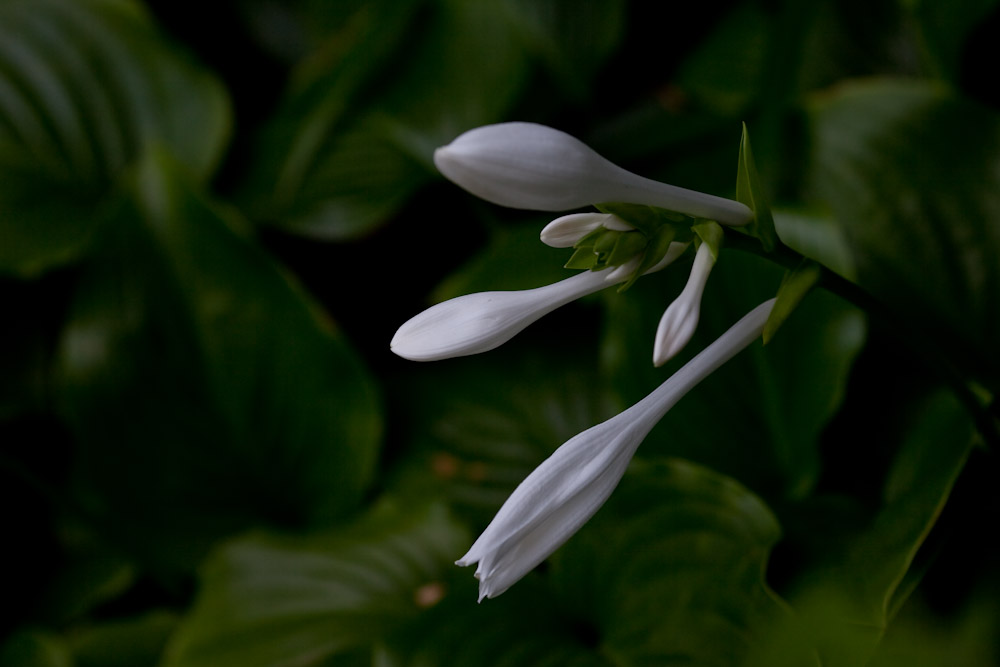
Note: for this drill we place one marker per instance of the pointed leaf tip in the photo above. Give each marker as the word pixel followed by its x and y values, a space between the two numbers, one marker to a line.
pixel 750 192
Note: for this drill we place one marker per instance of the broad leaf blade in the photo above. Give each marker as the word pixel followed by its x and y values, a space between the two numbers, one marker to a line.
pixel 86 87
pixel 910 172
pixel 206 391
pixel 672 569
pixel 273 600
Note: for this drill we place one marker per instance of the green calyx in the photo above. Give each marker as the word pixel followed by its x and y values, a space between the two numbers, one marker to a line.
pixel 654 230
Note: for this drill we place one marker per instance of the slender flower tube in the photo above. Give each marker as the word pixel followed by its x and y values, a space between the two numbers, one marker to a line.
pixel 562 493
pixel 681 318
pixel 480 322
pixel 567 231
pixel 530 166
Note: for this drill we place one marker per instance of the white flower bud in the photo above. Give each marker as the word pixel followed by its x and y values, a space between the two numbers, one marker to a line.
pixel 530 166
pixel 681 319
pixel 562 493
pixel 567 231
pixel 479 322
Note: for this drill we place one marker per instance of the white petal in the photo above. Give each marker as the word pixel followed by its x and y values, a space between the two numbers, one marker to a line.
pixel 566 232
pixel 681 319
pixel 562 493
pixel 479 322
pixel 530 166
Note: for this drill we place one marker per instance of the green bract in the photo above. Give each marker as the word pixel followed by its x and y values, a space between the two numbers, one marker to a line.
pixel 655 229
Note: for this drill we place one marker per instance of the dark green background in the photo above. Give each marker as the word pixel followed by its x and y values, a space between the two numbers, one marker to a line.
pixel 213 217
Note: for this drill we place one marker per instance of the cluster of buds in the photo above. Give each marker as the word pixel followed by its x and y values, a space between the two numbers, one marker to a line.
pixel 641 226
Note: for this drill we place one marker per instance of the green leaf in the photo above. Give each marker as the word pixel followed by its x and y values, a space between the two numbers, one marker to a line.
pixel 281 600
pixel 750 191
pixel 347 150
pixel 909 170
pixel 794 287
pixel 572 40
pixel 671 570
pixel 723 74
pixel 34 648
pixel 919 483
pixel 527 625
pixel 818 236
pixel 484 423
pixel 513 259
pixel 848 607
pixel 85 87
pixel 206 391
pixel 138 640
pixel 945 30
pixel 90 575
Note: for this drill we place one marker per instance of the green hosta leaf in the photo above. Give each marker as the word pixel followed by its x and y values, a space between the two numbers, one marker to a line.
pixel 32 648
pixel 486 422
pixel 672 569
pixel 571 39
pixel 817 236
pixel 847 607
pixel 527 625
pixel 514 259
pixel 347 150
pixel 138 640
pixel 794 287
pixel 272 600
pixel 85 87
pixel 750 191
pixel 911 173
pixel 724 72
pixel 89 577
pixel 945 29
pixel 206 391
pixel 921 638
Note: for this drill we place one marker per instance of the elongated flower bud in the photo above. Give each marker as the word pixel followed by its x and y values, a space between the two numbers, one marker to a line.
pixel 530 166
pixel 562 493
pixel 567 231
pixel 479 322
pixel 681 318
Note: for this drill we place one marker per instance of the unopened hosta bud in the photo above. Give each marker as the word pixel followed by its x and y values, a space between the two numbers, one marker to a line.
pixel 479 322
pixel 681 319
pixel 567 231
pixel 562 493
pixel 530 166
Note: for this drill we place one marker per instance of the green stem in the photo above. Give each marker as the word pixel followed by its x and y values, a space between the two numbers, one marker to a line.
pixel 921 348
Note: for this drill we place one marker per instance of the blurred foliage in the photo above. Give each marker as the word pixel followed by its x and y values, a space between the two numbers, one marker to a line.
pixel 213 216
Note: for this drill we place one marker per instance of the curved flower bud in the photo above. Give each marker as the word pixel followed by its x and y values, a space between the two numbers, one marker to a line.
pixel 681 318
pixel 567 231
pixel 531 166
pixel 479 322
pixel 562 493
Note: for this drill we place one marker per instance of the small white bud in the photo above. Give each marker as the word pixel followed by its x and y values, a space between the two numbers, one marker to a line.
pixel 567 231
pixel 681 319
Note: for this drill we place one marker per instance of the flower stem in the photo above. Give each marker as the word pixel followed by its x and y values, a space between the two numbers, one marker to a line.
pixel 923 349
